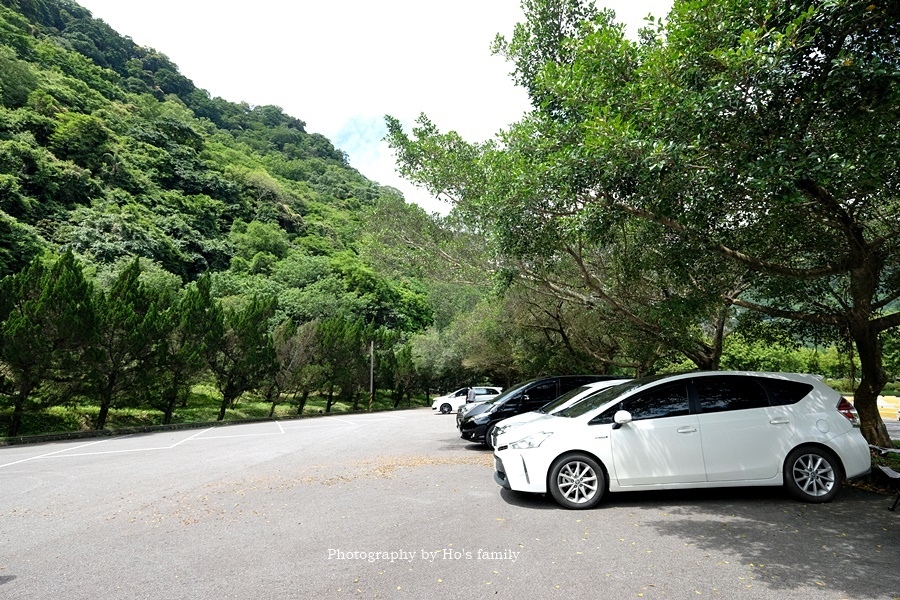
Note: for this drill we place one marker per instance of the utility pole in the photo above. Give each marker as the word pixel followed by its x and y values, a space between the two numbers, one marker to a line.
pixel 371 374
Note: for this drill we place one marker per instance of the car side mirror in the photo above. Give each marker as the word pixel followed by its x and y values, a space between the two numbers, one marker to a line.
pixel 620 418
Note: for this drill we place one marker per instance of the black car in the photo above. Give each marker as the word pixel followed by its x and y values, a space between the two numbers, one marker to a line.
pixel 476 424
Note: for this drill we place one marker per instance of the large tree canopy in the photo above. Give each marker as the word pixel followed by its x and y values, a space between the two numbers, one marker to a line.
pixel 744 152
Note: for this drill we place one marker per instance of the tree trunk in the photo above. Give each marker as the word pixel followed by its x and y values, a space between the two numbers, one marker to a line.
pixel 169 399
pixel 872 381
pixel 330 399
pixel 106 397
pixel 227 399
pixel 223 408
pixel 302 404
pixel 704 357
pixel 18 411
pixel 104 413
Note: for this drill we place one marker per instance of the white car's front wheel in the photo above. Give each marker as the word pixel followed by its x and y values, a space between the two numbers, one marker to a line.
pixel 446 408
pixel 577 481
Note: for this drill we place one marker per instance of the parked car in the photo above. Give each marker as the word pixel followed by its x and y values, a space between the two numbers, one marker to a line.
pixel 565 401
pixel 451 402
pixel 464 410
pixel 691 430
pixel 477 423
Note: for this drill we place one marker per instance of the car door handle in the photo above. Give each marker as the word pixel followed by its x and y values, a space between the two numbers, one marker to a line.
pixel 687 429
pixel 781 421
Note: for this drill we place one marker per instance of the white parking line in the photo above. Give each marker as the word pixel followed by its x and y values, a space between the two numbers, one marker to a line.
pixel 339 419
pixel 67 453
pixel 311 426
pixel 240 435
pixel 176 444
pixel 52 453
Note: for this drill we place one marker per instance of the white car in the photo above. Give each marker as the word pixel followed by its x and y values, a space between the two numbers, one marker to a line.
pixel 692 430
pixel 563 402
pixel 451 402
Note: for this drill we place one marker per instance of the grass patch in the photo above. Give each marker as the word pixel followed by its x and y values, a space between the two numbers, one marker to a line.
pixel 202 406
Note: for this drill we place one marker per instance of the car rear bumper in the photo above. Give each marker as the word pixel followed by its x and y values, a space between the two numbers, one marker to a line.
pixel 853 450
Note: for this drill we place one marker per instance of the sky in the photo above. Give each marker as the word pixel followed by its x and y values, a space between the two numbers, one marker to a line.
pixel 342 65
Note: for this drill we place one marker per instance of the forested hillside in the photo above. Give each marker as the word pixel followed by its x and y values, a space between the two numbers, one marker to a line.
pixel 109 153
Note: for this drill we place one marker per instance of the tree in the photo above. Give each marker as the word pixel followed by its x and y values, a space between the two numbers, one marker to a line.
pixel 296 372
pixel 343 354
pixel 186 327
pixel 83 139
pixel 129 333
pixel 239 349
pixel 46 320
pixel 757 135
pixel 404 374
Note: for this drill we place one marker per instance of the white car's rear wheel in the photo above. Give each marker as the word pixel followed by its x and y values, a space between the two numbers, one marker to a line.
pixel 812 474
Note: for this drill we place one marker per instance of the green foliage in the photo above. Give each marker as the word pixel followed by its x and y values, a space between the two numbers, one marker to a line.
pixel 251 239
pixel 19 243
pixel 129 331
pixel 741 354
pixel 52 419
pixel 46 322
pixel 17 79
pixel 239 348
pixel 185 327
pixel 383 302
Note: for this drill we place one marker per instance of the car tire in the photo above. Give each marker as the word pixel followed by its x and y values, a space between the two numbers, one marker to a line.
pixel 446 408
pixel 487 436
pixel 577 481
pixel 812 474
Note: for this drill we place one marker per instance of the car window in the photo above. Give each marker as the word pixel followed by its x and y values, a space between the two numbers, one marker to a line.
pixel 541 393
pixel 664 401
pixel 728 393
pixel 510 392
pixel 785 391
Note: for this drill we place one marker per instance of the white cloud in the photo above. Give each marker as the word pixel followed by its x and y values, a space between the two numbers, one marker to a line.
pixel 342 65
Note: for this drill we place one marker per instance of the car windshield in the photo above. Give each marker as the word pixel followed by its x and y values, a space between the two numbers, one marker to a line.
pixel 554 404
pixel 606 395
pixel 507 393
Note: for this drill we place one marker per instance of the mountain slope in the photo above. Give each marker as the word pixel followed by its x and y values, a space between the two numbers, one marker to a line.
pixel 106 148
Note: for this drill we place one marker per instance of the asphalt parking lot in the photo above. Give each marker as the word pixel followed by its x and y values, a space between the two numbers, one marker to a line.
pixel 395 505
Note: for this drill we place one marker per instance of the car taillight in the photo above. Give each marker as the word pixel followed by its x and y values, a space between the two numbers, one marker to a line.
pixel 846 409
